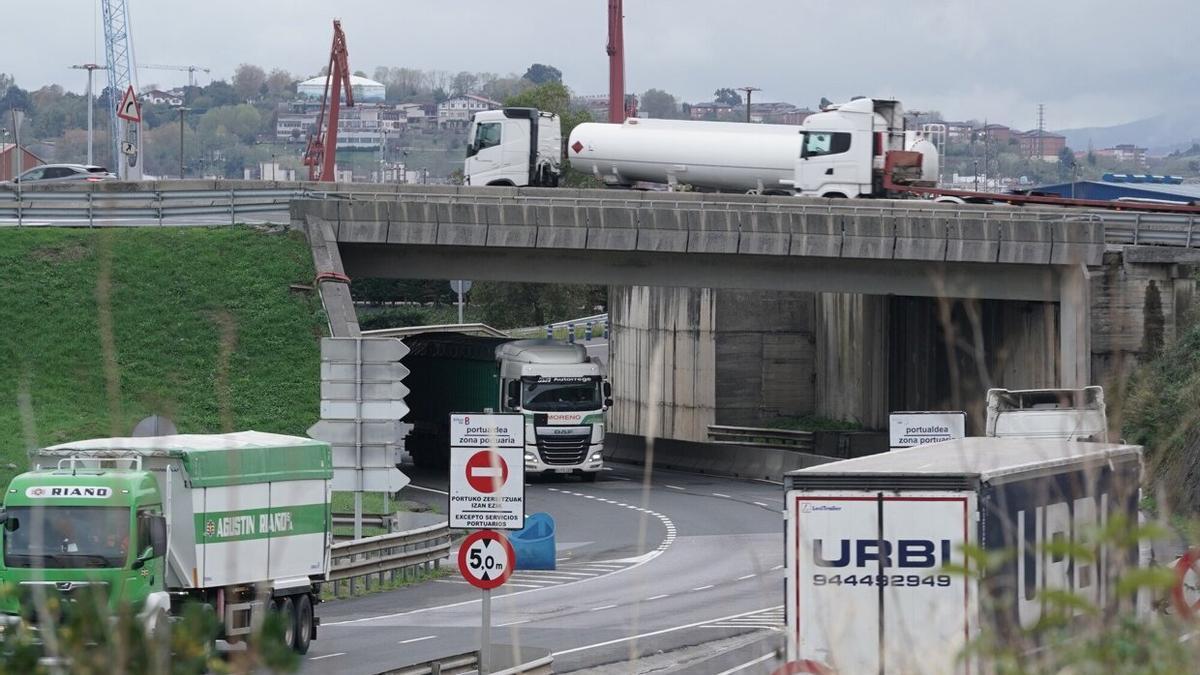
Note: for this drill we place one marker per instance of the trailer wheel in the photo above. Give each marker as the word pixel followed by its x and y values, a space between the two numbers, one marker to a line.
pixel 286 609
pixel 304 624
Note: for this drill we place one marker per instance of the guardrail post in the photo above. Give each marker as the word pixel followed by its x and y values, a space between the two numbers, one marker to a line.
pixel 606 329
pixel 549 332
pixel 91 213
pixel 232 209
pixel 159 199
pixel 571 333
pixel 587 336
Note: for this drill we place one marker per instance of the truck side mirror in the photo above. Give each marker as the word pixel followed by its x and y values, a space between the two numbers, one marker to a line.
pixel 141 560
pixel 513 395
pixel 158 535
pixel 607 390
pixel 11 524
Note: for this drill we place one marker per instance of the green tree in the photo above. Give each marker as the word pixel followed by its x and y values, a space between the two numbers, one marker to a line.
pixel 464 83
pixel 540 73
pixel 727 96
pixel 248 81
pixel 658 103
pixel 513 305
pixel 552 97
pixel 280 84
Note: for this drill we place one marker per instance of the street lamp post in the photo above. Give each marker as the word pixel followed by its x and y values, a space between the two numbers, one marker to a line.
pixel 182 110
pixel 748 90
pixel 90 68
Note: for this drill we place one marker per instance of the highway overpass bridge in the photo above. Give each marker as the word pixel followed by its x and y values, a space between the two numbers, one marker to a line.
pixel 727 308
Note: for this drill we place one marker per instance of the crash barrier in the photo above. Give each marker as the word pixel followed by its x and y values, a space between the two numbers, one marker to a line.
pixel 506 660
pixel 791 439
pixel 762 218
pixel 711 458
pixel 387 557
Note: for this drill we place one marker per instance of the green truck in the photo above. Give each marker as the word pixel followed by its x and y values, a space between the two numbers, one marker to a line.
pixel 560 390
pixel 239 522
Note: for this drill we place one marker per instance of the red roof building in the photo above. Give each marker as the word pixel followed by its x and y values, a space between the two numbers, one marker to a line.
pixel 7 157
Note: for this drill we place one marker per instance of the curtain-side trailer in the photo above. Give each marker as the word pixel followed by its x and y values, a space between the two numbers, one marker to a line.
pixel 875 548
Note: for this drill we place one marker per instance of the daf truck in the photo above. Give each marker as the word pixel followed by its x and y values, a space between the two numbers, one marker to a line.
pixel 519 147
pixel 877 575
pixel 560 390
pixel 238 522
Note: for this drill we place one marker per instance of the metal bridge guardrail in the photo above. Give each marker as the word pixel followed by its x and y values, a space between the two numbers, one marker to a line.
pixel 89 204
pixel 387 555
pixel 788 439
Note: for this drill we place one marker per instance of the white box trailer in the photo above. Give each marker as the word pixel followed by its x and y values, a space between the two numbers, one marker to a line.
pixel 247 515
pixel 868 542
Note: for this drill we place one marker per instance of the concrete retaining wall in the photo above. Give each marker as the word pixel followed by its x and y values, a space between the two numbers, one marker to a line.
pixel 719 460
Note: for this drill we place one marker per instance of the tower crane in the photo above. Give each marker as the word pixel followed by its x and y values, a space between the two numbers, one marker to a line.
pixel 322 143
pixel 118 52
pixel 191 71
pixel 616 63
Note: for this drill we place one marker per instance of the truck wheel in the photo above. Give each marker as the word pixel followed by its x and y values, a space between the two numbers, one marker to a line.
pixel 304 624
pixel 286 609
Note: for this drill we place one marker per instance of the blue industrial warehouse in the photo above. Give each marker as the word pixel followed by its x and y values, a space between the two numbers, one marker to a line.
pixel 1115 187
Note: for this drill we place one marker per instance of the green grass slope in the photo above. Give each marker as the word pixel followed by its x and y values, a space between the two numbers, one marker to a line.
pixel 100 328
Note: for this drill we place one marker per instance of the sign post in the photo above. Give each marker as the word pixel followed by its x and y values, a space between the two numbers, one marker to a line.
pixel 130 111
pixel 460 286
pixel 487 493
pixel 486 560
pixel 909 429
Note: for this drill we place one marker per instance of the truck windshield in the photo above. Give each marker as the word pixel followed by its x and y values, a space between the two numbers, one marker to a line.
pixel 555 396
pixel 67 536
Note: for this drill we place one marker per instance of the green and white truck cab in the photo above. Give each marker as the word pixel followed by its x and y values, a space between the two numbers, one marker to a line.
pixel 239 522
pixel 563 395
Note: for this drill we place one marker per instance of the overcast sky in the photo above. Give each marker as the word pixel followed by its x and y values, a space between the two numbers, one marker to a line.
pixel 1090 62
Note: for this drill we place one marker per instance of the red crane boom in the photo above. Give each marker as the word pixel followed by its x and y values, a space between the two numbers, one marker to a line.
pixel 321 153
pixel 616 63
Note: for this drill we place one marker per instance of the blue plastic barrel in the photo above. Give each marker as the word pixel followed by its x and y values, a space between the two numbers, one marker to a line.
pixel 534 545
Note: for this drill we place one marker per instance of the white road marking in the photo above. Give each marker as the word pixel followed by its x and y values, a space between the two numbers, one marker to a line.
pixel 703 588
pixel 769 482
pixel 777 567
pixel 718 494
pixel 597 609
pixel 761 504
pixel 659 597
pixel 427 489
pixel 748 576
pixel 659 632
pixel 674 487
pixel 747 664
pixel 326 656
pixel 512 623
pixel 427 637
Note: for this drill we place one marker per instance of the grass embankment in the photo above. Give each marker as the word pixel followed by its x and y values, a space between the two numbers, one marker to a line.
pixel 105 327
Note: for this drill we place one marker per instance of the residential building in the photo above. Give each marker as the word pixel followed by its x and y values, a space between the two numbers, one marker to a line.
pixel 596 105
pixel 364 126
pixel 998 134
pixel 960 131
pixel 8 157
pixel 712 110
pixel 1044 145
pixel 458 111
pixel 159 97
pixel 1125 153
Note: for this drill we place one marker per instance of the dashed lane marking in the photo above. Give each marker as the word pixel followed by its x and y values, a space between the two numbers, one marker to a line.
pixel 718 494
pixel 659 597
pixel 703 588
pixel 674 487
pixel 326 656
pixel 597 609
pixel 420 639
pixel 748 576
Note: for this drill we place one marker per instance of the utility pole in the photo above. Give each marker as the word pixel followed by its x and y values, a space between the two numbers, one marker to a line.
pixel 90 68
pixel 616 62
pixel 748 90
pixel 181 110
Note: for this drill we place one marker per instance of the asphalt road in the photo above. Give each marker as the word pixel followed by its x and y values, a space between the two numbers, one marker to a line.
pixel 672 572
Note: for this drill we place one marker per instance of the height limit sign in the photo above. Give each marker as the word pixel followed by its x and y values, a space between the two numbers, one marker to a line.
pixel 487 471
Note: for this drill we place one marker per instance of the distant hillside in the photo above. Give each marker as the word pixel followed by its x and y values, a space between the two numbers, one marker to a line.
pixel 1162 134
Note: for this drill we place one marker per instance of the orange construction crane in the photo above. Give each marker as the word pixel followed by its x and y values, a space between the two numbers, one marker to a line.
pixel 322 144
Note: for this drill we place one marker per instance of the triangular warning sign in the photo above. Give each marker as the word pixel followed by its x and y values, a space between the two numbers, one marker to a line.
pixel 129 109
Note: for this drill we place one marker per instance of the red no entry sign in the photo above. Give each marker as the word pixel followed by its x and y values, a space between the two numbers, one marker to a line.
pixel 486 559
pixel 487 471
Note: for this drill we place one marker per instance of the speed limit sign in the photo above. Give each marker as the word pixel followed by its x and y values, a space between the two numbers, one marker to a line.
pixel 486 559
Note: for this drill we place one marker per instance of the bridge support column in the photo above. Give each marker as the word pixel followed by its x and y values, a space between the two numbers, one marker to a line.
pixel 1075 327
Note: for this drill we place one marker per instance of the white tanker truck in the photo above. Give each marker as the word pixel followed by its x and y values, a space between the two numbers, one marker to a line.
pixel 839 152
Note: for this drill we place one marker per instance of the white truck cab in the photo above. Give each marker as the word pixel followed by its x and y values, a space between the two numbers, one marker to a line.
pixel 563 395
pixel 1071 414
pixel 514 147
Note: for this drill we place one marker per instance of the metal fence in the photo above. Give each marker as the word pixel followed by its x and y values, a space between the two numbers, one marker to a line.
pixel 788 439
pixel 387 558
pixel 163 204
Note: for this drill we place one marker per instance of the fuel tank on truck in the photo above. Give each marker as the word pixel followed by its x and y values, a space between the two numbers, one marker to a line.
pixel 723 156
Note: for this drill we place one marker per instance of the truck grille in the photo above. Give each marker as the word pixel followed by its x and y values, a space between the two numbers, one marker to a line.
pixel 563 449
pixel 61 597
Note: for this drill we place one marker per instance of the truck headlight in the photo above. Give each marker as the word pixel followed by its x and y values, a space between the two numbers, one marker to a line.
pixel 597 433
pixel 596 457
pixel 530 458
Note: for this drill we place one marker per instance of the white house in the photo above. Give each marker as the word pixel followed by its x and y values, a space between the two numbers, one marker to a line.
pixel 457 111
